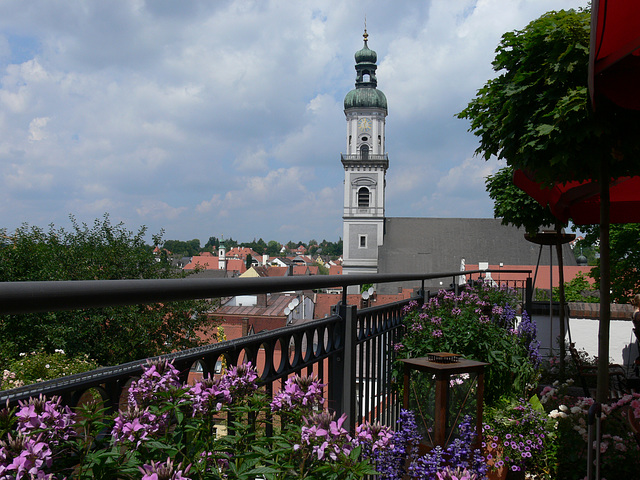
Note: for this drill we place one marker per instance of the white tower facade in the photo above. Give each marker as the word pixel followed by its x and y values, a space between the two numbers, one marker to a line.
pixel 222 256
pixel 365 166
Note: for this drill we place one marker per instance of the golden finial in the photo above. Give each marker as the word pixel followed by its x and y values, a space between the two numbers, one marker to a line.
pixel 366 35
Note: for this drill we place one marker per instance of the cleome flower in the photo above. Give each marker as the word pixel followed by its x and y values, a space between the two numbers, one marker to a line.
pixel 24 457
pixel 49 415
pixel 164 471
pixel 326 436
pixel 300 393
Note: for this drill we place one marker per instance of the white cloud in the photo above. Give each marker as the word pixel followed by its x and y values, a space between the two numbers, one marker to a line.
pixel 36 129
pixel 158 210
pixel 208 205
pixel 210 117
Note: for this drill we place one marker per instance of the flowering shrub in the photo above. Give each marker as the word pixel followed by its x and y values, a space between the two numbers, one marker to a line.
pixel 619 451
pixel 38 366
pixel 520 436
pixel 173 431
pixel 403 460
pixel 480 324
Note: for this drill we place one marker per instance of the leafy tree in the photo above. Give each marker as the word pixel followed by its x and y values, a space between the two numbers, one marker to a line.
pixel 110 335
pixel 513 205
pixel 322 269
pixel 179 247
pixel 536 115
pixel 248 260
pixel 625 259
pixel 332 249
pixel 578 290
pixel 212 244
pixel 273 248
pixel 259 246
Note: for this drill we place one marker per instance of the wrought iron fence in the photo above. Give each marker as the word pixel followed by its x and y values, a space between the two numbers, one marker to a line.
pixel 351 351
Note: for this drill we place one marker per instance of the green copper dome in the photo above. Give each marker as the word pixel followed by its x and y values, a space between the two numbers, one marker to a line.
pixel 366 55
pixel 366 95
pixel 365 98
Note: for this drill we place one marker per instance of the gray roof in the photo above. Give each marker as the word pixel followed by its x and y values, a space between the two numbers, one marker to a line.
pixel 209 273
pixel 416 245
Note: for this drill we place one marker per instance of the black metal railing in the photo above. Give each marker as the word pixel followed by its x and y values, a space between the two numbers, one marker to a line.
pixel 351 351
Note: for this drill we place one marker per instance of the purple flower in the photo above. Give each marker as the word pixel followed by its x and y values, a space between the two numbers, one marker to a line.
pixel 326 436
pixel 158 376
pixel 373 437
pixel 436 333
pixel 455 474
pixel 300 393
pixel 135 426
pixel 40 414
pixel 206 396
pixel 24 457
pixel 239 382
pixel 164 471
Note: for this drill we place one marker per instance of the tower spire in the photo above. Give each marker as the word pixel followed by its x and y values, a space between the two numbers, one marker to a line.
pixel 365 35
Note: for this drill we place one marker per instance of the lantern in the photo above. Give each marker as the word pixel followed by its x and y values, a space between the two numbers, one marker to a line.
pixel 443 389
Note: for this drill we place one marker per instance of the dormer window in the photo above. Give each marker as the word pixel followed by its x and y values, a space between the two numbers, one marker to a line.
pixel 363 197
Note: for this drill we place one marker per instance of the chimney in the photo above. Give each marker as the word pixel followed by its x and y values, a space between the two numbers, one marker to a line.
pixel 245 326
pixel 261 300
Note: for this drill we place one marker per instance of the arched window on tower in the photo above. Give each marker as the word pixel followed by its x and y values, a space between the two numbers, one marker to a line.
pixel 364 152
pixel 363 197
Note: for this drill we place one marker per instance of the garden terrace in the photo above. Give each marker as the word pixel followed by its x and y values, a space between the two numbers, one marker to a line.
pixel 351 351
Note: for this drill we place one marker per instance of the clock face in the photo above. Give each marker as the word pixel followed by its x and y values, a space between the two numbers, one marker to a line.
pixel 364 125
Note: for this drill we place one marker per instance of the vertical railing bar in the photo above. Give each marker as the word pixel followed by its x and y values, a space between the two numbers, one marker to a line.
pixel 362 408
pixel 384 380
pixel 378 366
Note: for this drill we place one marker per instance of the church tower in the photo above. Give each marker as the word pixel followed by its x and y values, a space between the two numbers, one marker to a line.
pixel 365 165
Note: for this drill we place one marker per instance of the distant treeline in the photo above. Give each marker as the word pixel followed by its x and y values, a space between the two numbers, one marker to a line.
pixel 272 248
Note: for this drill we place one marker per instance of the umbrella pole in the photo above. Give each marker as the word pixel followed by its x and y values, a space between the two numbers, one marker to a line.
pixel 562 302
pixel 551 300
pixel 602 391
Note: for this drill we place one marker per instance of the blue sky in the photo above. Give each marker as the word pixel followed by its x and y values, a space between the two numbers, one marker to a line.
pixel 225 118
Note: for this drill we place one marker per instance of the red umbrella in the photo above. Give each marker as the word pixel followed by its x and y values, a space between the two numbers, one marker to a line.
pixel 580 201
pixel 614 56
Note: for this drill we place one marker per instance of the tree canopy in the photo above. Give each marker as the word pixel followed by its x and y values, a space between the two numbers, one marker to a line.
pixel 513 205
pixel 108 335
pixel 536 115
pixel 625 259
pixel 179 247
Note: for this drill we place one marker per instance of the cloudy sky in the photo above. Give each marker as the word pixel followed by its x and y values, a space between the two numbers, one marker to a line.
pixel 210 118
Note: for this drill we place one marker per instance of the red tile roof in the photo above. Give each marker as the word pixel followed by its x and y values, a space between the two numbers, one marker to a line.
pixel 202 261
pixel 335 269
pixel 242 252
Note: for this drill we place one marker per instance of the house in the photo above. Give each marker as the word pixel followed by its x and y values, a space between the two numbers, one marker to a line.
pixel 208 262
pixel 326 301
pixel 278 261
pixel 302 260
pixel 248 314
pixel 265 271
pixel 300 250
